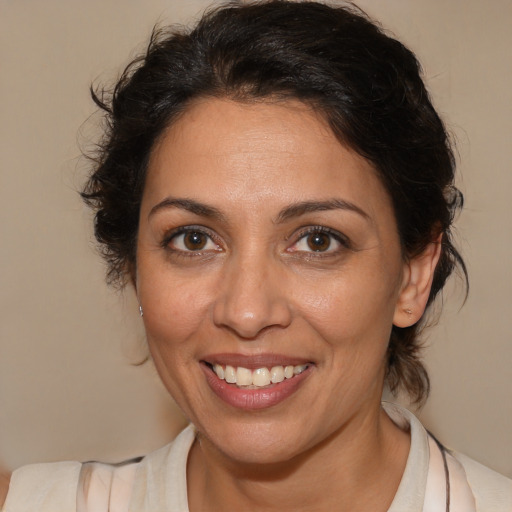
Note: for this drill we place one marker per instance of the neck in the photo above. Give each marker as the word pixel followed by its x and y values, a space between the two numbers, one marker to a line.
pixel 358 468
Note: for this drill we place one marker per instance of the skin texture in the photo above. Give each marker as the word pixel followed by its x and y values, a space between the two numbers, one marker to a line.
pixel 257 288
pixel 5 478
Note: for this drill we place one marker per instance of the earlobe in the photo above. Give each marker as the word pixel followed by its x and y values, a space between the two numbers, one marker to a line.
pixel 416 285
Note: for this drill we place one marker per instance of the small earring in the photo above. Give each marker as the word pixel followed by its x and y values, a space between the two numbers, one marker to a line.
pixel 140 310
pixel 408 311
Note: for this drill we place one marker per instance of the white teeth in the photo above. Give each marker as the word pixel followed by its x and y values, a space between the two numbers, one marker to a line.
pixel 299 369
pixel 288 372
pixel 219 371
pixel 243 376
pixel 230 374
pixel 260 377
pixel 277 374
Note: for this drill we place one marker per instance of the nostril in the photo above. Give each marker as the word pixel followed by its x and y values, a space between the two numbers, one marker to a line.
pixel 250 301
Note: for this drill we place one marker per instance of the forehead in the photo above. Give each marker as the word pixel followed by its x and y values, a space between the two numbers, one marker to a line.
pixel 258 153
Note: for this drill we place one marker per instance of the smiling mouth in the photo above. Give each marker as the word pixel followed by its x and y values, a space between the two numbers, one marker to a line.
pixel 263 377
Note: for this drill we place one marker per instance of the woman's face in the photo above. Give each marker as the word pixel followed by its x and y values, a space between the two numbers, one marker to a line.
pixel 266 249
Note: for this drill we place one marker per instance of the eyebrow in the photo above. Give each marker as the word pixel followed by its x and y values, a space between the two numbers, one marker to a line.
pixel 298 209
pixel 291 211
pixel 189 205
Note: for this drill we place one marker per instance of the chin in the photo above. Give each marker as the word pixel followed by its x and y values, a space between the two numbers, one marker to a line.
pixel 256 443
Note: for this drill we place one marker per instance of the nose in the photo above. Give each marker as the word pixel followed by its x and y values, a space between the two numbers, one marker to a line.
pixel 252 298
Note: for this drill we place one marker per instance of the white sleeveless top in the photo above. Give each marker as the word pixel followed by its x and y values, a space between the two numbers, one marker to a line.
pixel 434 480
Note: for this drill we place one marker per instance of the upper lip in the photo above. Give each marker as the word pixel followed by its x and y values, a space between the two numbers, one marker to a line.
pixel 252 362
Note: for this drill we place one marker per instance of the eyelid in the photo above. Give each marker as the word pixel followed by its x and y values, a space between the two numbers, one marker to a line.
pixel 181 230
pixel 340 238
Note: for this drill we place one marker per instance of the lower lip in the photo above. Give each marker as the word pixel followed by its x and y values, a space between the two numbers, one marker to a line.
pixel 254 399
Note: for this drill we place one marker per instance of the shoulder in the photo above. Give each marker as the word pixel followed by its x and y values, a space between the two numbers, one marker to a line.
pixel 43 487
pixel 476 486
pixel 103 487
pixel 161 480
pixel 70 486
pixel 492 491
pixel 93 486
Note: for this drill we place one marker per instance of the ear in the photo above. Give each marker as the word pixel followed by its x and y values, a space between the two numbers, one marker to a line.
pixel 416 284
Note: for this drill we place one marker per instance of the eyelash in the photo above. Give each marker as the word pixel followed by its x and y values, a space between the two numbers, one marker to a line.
pixel 338 237
pixel 184 230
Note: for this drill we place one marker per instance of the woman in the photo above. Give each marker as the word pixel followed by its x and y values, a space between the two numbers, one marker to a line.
pixel 278 188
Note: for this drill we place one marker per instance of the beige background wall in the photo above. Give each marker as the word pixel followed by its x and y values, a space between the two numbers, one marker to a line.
pixel 67 389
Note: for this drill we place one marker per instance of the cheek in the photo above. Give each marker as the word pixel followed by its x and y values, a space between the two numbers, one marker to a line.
pixel 355 309
pixel 174 308
pixel 354 324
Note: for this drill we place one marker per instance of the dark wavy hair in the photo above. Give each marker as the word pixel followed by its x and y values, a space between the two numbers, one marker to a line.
pixel 366 84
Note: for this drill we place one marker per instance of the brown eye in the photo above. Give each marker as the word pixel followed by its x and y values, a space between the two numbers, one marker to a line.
pixel 319 242
pixel 195 241
pixel 191 240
